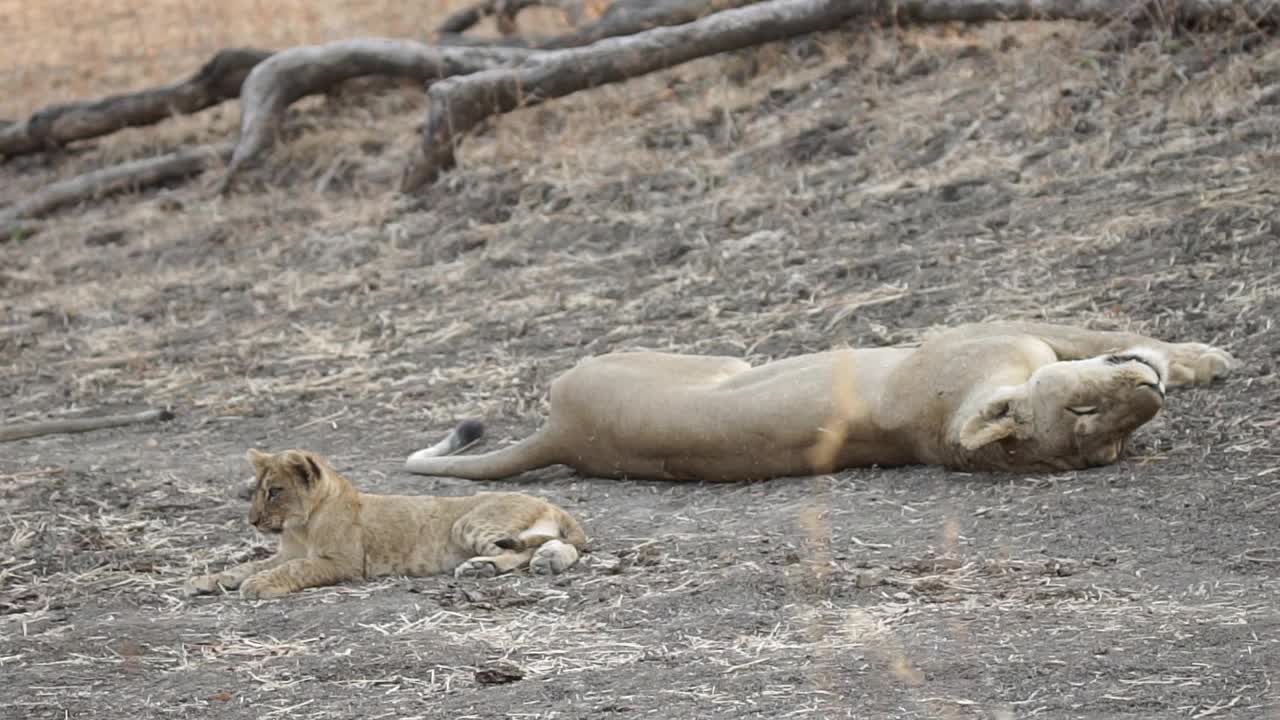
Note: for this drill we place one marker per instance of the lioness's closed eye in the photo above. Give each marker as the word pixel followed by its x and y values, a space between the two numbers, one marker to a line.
pixel 330 532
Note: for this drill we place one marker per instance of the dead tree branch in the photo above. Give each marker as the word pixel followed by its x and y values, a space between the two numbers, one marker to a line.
pixel 19 431
pixel 628 17
pixel 217 81
pixel 623 17
pixel 293 74
pixel 221 78
pixel 459 104
pixel 118 178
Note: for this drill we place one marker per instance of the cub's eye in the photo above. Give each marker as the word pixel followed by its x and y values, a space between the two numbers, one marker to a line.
pixel 273 493
pixel 1083 410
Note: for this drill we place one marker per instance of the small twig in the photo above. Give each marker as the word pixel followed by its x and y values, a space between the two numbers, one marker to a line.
pixel 1262 555
pixel 20 431
pixel 1255 504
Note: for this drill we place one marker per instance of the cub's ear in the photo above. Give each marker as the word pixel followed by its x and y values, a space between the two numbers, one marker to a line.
pixel 995 418
pixel 303 465
pixel 258 459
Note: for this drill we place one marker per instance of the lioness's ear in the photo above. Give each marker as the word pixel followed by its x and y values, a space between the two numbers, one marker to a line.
pixel 994 420
pixel 258 459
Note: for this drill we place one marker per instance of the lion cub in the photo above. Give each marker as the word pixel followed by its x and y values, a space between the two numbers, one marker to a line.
pixel 330 532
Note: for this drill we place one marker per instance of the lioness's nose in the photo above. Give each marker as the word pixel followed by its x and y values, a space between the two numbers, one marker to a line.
pixel 1148 401
pixel 1156 388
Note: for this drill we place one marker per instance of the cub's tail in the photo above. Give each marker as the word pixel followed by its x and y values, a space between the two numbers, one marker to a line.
pixel 570 532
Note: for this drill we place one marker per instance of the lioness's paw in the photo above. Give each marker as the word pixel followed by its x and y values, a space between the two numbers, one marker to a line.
pixel 1199 364
pixel 553 558
pixel 476 568
pixel 259 588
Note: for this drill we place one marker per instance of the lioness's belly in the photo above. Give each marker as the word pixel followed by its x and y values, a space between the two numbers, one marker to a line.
pixel 689 417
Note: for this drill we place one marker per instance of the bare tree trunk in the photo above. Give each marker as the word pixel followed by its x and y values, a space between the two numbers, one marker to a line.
pixel 20 431
pixel 295 73
pixel 127 176
pixel 459 104
pixel 218 80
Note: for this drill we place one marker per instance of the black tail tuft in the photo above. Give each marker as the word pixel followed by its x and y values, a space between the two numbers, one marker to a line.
pixel 509 544
pixel 469 431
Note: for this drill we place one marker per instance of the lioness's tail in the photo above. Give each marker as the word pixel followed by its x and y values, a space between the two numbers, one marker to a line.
pixel 466 434
pixel 531 453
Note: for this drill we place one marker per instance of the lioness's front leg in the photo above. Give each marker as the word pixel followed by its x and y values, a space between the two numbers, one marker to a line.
pixel 1189 363
pixel 1198 364
pixel 231 578
pixel 293 576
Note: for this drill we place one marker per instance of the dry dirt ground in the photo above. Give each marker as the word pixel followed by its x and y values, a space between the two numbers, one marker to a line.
pixel 857 187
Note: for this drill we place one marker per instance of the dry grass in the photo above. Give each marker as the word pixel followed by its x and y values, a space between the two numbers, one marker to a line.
pixel 857 188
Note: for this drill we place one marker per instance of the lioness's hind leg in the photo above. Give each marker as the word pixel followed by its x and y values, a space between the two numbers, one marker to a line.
pixel 553 557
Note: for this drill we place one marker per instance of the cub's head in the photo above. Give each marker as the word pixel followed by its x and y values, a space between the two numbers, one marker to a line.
pixel 1071 414
pixel 286 484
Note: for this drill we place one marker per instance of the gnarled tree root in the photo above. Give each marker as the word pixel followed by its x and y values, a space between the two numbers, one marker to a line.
pixel 19 431
pixel 292 74
pixel 459 104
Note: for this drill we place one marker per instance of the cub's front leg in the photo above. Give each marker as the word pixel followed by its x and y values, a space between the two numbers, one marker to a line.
pixel 232 578
pixel 295 575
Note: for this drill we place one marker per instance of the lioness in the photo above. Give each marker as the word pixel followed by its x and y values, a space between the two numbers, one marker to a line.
pixel 331 532
pixel 999 396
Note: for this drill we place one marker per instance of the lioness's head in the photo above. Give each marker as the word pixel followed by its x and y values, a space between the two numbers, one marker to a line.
pixel 286 482
pixel 1079 411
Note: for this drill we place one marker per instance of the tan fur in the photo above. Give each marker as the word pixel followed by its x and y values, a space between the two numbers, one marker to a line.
pixel 330 532
pixel 996 396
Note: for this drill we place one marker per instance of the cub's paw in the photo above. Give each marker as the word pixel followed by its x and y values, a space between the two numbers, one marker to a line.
pixel 214 583
pixel 1200 364
pixel 203 585
pixel 552 558
pixel 477 567
pixel 260 588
